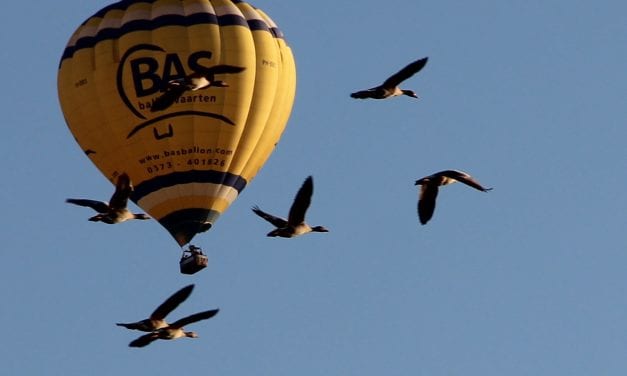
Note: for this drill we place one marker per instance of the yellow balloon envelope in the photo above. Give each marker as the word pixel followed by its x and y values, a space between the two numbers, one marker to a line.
pixel 190 161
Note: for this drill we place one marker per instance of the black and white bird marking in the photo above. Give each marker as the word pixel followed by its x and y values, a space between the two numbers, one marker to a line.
pixel 429 190
pixel 114 211
pixel 295 224
pixel 157 318
pixel 201 79
pixel 174 330
pixel 390 87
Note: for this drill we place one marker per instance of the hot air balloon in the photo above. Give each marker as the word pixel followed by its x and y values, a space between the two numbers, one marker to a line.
pixel 187 97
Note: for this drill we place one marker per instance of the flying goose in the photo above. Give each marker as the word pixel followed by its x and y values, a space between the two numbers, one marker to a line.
pixel 157 318
pixel 200 79
pixel 174 330
pixel 389 88
pixel 429 190
pixel 295 224
pixel 114 211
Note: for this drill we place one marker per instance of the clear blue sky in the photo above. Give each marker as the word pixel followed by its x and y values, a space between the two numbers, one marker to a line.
pixel 528 279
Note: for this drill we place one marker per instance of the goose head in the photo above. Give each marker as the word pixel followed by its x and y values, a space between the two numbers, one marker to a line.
pixel 319 229
pixel 191 334
pixel 219 84
pixel 410 93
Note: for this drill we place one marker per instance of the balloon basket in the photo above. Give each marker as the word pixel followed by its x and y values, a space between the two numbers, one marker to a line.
pixel 193 260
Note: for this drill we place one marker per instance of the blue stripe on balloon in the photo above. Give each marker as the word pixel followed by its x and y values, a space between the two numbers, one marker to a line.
pixel 147 187
pixel 167 20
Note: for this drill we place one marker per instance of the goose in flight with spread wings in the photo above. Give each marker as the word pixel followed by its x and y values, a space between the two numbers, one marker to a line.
pixel 390 87
pixel 157 318
pixel 174 330
pixel 430 186
pixel 295 224
pixel 114 211
pixel 201 79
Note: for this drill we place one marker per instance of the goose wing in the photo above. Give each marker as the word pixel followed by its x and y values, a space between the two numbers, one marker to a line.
pixel 220 69
pixel 99 206
pixel 365 94
pixel 143 325
pixel 194 318
pixel 465 178
pixel 123 190
pixel 301 203
pixel 276 221
pixel 426 202
pixel 172 302
pixel 144 340
pixel 405 73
